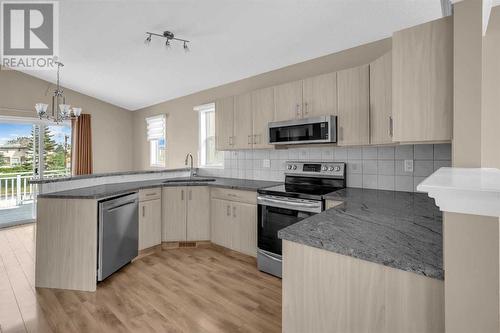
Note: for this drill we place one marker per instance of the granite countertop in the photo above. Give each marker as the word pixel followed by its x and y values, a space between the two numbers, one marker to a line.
pixel 99 175
pixel 108 190
pixel 402 230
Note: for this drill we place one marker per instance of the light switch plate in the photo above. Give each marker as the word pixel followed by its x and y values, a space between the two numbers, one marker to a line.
pixel 266 163
pixel 408 165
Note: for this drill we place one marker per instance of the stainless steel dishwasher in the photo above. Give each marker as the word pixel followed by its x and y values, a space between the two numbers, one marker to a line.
pixel 118 233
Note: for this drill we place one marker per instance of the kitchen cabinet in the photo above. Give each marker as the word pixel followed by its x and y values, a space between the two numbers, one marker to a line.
pixel 245 228
pixel 243 135
pixel 381 126
pixel 185 211
pixel 320 95
pixel 198 206
pixel 422 87
pixel 234 220
pixel 174 214
pixel 262 114
pixel 353 93
pixel 149 218
pixel 224 123
pixel 288 101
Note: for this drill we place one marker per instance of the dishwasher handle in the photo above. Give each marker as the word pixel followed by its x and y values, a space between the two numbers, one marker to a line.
pixel 121 205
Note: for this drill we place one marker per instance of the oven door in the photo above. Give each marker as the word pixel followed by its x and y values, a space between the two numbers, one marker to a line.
pixel 276 213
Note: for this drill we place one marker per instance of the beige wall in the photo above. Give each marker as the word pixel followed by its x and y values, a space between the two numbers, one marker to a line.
pixel 182 121
pixel 111 125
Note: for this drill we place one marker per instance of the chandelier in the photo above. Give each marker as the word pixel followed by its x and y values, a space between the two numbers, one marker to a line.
pixel 60 111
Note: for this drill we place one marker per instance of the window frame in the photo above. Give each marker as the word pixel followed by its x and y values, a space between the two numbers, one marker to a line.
pixel 154 145
pixel 203 110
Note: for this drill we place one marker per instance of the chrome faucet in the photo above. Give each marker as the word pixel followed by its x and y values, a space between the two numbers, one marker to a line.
pixel 191 173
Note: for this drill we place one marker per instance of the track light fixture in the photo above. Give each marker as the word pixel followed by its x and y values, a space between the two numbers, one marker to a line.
pixel 169 36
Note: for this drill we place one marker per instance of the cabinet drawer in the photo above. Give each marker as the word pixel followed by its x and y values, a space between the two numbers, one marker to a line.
pixel 234 195
pixel 150 194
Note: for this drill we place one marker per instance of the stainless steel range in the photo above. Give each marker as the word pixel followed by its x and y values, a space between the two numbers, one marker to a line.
pixel 300 197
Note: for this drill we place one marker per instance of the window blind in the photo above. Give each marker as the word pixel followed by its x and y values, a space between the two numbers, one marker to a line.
pixel 156 127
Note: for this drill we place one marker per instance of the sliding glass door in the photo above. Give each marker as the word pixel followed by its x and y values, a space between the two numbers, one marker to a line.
pixel 29 148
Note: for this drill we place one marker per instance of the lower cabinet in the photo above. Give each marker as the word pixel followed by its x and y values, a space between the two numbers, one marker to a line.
pixel 150 219
pixel 234 225
pixel 185 214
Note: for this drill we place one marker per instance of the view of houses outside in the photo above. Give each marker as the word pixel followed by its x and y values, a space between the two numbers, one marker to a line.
pixel 20 161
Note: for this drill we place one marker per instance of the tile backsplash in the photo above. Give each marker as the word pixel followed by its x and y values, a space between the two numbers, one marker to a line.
pixel 367 167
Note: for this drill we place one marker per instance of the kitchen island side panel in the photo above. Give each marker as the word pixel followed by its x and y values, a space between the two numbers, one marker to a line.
pixel 66 244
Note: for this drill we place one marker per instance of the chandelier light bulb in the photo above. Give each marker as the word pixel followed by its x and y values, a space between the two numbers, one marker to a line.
pixel 77 112
pixel 41 109
pixel 167 44
pixel 186 48
pixel 148 40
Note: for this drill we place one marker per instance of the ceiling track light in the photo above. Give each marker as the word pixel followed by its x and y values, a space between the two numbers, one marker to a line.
pixel 169 36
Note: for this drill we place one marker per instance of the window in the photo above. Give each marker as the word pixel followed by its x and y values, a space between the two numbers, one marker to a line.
pixel 157 141
pixel 209 156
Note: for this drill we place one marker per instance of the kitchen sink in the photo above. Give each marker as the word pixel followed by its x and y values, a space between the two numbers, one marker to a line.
pixel 188 179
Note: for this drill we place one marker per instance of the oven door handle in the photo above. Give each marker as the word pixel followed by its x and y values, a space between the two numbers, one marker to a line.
pixel 263 201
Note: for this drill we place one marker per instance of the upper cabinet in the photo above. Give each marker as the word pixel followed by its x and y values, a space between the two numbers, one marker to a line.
pixel 243 136
pixel 422 88
pixel 381 126
pixel 288 101
pixel 263 113
pixel 224 119
pixel 320 95
pixel 353 93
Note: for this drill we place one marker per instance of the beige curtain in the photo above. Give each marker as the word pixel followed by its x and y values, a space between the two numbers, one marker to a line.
pixel 81 145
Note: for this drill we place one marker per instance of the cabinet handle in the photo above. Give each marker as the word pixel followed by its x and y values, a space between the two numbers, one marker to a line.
pixel 391 130
pixel 230 140
pixel 182 194
pixel 143 211
pixel 190 194
pixel 306 108
pixel 234 211
pixel 249 139
pixel 255 139
pixel 228 210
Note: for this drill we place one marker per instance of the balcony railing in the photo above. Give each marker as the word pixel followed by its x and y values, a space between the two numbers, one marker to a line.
pixel 16 190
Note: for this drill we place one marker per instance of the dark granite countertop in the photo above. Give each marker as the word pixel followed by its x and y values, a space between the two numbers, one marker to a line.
pixel 99 175
pixel 402 230
pixel 108 190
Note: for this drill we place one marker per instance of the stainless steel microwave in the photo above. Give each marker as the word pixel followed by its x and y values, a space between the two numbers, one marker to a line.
pixel 299 131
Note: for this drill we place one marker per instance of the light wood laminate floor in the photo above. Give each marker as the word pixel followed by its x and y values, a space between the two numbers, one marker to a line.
pixel 176 290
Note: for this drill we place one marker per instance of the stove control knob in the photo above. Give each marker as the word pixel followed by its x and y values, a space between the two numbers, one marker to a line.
pixel 294 167
pixel 289 167
pixel 324 168
pixel 337 168
pixel 330 168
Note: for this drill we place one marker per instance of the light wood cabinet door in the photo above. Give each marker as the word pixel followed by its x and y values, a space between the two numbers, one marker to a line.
pixel 353 87
pixel 422 94
pixel 224 123
pixel 381 129
pixel 243 137
pixel 320 95
pixel 288 101
pixel 149 223
pixel 263 113
pixel 174 205
pixel 198 213
pixel 220 220
pixel 244 228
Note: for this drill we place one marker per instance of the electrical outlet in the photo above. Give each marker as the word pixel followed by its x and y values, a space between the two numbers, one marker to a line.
pixel 266 163
pixel 408 165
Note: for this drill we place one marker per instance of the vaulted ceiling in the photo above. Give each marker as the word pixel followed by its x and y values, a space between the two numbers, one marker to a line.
pixel 102 42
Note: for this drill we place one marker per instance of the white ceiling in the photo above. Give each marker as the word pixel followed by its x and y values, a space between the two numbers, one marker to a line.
pixel 102 42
